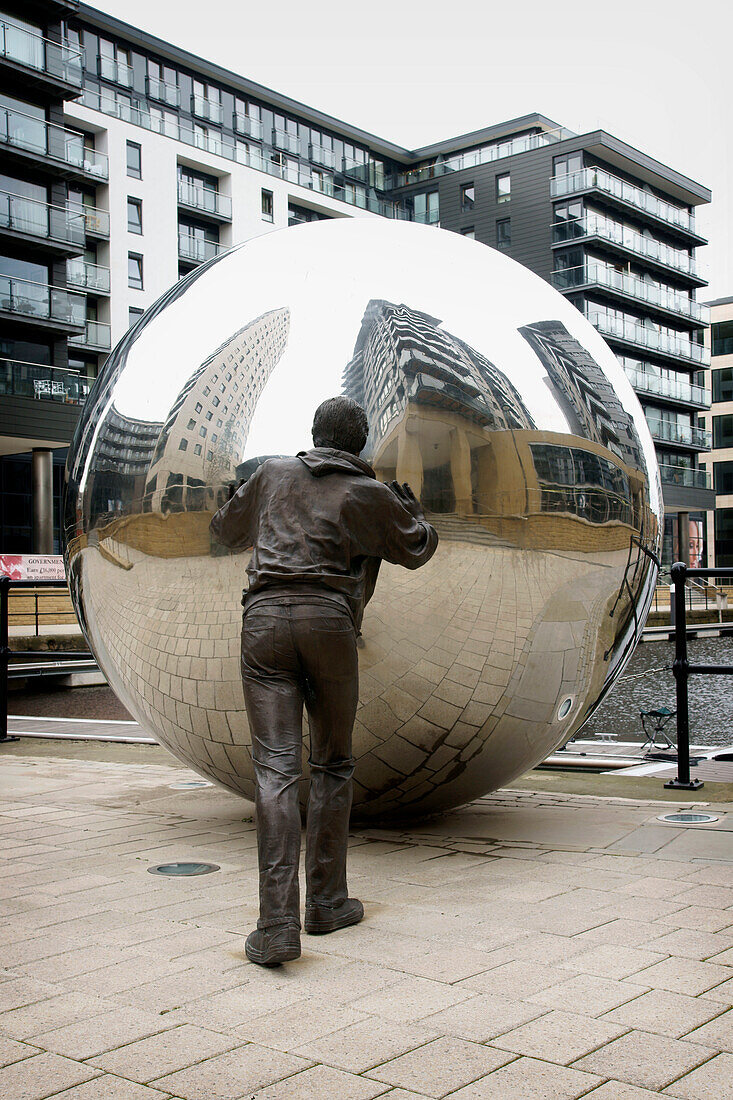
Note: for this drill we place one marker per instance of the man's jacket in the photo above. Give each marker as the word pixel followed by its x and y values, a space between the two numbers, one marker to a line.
pixel 321 523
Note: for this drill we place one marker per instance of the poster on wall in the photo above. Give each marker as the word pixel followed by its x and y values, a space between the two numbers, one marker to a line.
pixel 32 567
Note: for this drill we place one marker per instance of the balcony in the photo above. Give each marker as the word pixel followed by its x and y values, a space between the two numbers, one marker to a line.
pixel 685 393
pixel 631 287
pixel 116 71
pixel 163 92
pixel 326 158
pixel 628 240
pixel 41 58
pixel 484 155
pixel 96 221
pixel 97 336
pixel 208 109
pixel 42 383
pixel 57 225
pixel 204 200
pixel 428 217
pixel 680 434
pixel 89 277
pixel 38 302
pixel 681 475
pixel 287 143
pixel 249 127
pixel 595 179
pixel 633 332
pixel 196 250
pixel 38 139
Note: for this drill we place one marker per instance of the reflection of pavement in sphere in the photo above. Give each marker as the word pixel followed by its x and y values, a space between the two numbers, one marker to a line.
pixel 464 664
pixel 484 388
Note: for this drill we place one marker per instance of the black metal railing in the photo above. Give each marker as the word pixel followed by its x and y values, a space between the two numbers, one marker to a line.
pixel 682 670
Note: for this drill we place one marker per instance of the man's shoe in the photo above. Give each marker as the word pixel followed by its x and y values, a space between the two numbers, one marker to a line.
pixel 272 946
pixel 322 918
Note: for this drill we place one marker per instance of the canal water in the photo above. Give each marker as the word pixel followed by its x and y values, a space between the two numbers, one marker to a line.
pixel 647 683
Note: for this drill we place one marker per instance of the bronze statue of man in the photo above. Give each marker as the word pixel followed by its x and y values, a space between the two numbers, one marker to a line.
pixel 320 525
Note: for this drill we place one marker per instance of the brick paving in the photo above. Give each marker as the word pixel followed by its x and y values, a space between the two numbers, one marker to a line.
pixel 529 945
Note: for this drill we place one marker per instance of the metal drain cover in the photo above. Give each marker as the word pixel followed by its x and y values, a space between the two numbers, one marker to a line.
pixel 180 870
pixel 190 785
pixel 686 818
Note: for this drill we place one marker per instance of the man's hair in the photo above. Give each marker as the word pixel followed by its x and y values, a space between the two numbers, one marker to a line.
pixel 342 424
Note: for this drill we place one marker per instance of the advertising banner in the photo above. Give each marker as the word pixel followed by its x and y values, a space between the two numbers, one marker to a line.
pixel 32 567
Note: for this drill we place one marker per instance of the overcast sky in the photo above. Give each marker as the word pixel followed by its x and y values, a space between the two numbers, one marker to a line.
pixel 656 74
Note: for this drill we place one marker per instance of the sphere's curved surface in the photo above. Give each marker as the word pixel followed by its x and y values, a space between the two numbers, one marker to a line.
pixel 485 389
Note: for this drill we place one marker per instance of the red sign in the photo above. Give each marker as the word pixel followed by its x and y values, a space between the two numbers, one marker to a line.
pixel 32 567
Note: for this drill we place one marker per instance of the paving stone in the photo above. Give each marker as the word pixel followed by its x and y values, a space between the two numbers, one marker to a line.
pixel 238 1073
pixel 19 991
pixel 12 1051
pixel 34 1018
pixel 411 999
pixel 296 1024
pixel 103 1033
pixel 323 1081
pixel 440 1067
pixel 108 1087
pixel 640 1058
pixel 482 1017
pixel 612 961
pixel 529 1079
pixel 712 1081
pixel 694 944
pixel 364 1045
pixel 157 1055
pixel 41 1076
pixel 700 918
pixel 683 976
pixel 666 1013
pixel 718 1033
pixel 587 994
pixel 513 980
pixel 617 1090
pixel 558 1037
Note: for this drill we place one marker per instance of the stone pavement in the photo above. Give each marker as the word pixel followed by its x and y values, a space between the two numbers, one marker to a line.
pixel 530 946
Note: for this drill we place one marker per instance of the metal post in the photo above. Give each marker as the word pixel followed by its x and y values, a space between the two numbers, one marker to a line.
pixel 42 499
pixel 4 660
pixel 681 670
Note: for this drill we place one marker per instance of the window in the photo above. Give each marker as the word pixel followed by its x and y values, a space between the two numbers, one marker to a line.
pixel 134 215
pixel 723 477
pixel 722 334
pixel 191 424
pixel 469 232
pixel 504 233
pixel 202 431
pixel 134 271
pixel 722 382
pixel 134 160
pixel 565 166
pixel 427 208
pixel 199 406
pixel 723 431
pixel 197 449
pixel 183 445
pixel 134 314
pixel 209 415
pixel 468 196
pixel 267 207
pixel 503 188
pixel 724 537
pixel 209 455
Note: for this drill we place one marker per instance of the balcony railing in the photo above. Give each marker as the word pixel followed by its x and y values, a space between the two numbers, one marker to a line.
pixel 116 71
pixel 86 276
pixel 45 139
pixel 39 54
pixel 96 221
pixel 250 127
pixel 428 217
pixel 634 332
pixel 324 157
pixel 288 143
pixel 40 219
pixel 163 91
pixel 19 379
pixel 681 475
pixel 202 198
pixel 97 336
pixel 683 435
pixel 197 249
pixel 484 155
pixel 208 109
pixel 600 274
pixel 596 179
pixel 606 229
pixel 39 301
pixel 644 381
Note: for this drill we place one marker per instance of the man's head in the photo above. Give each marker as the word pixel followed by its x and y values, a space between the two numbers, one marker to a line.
pixel 342 424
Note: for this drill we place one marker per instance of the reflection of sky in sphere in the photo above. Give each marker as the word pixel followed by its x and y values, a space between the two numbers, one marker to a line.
pixel 477 294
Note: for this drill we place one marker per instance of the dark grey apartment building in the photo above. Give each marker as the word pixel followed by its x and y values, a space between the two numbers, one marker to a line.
pixel 130 162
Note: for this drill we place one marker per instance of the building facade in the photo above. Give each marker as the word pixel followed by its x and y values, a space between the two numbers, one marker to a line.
pixel 131 162
pixel 719 422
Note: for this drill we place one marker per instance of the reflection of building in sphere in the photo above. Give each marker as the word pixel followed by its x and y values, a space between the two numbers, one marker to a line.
pixel 123 452
pixel 207 427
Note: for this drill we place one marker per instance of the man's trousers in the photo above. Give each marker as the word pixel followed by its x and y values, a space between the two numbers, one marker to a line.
pixel 299 651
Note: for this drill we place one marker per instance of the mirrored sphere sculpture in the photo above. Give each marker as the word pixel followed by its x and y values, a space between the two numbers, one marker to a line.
pixel 485 389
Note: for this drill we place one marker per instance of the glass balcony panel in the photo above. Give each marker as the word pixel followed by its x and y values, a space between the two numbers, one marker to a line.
pixel 325 157
pixel 164 92
pixel 289 143
pixel 43 383
pixel 116 71
pixel 39 219
pixel 208 109
pixel 81 274
pixel 40 301
pixel 681 475
pixel 96 221
pixel 670 431
pixel 596 225
pixel 601 274
pixel 203 198
pixel 197 249
pixel 636 333
pixel 595 178
pixel 33 134
pixel 96 336
pixel 483 155
pixel 676 389
pixel 250 127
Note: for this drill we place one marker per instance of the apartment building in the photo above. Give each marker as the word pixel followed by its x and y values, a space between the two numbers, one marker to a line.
pixel 142 161
pixel 719 423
